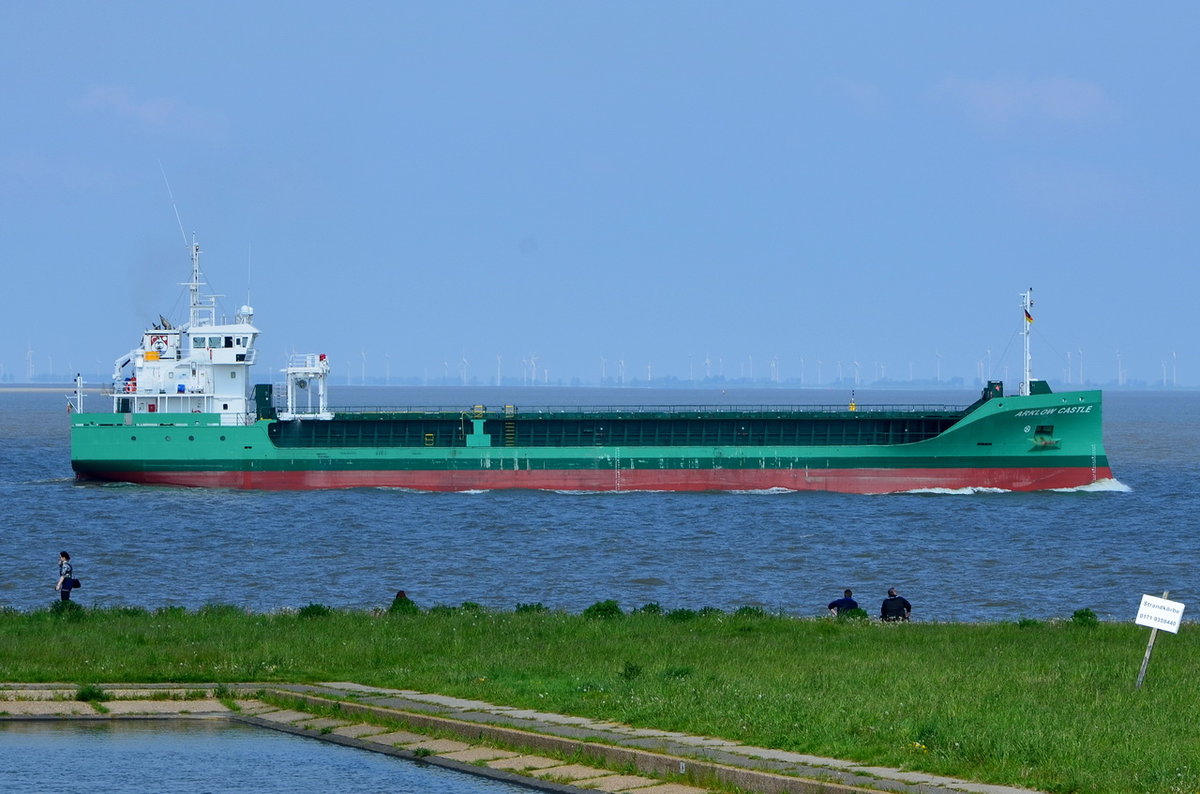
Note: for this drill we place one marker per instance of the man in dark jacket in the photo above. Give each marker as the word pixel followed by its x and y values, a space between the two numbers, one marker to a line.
pixel 895 607
pixel 843 604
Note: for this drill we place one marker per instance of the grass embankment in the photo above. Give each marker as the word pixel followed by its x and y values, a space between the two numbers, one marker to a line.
pixel 1046 705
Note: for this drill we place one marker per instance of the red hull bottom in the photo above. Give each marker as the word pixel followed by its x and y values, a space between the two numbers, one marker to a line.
pixel 861 481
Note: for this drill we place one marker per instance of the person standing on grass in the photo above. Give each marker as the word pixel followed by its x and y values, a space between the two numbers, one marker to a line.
pixel 65 573
pixel 843 604
pixel 895 607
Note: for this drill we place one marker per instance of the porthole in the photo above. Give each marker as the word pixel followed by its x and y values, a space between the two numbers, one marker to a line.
pixel 222 438
pixel 191 438
pixel 166 438
pixel 133 438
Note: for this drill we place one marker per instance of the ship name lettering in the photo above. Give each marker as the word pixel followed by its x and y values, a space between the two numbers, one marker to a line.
pixel 1070 409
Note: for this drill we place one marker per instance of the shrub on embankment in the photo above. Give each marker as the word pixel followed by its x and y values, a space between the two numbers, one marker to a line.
pixel 1049 705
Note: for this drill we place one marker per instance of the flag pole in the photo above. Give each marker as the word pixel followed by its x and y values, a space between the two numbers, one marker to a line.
pixel 1027 320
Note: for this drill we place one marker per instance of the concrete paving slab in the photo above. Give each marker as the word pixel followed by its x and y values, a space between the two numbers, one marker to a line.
pixel 449 702
pixel 524 762
pixel 254 707
pixel 165 707
pixel 27 708
pixel 671 788
pixel 36 694
pixel 571 772
pixel 564 719
pixel 321 722
pixel 791 758
pixel 473 754
pixel 936 780
pixel 631 783
pixel 396 738
pixel 703 741
pixel 438 746
pixel 405 704
pixel 148 694
pixel 284 715
pixel 350 686
pixel 652 733
pixel 359 729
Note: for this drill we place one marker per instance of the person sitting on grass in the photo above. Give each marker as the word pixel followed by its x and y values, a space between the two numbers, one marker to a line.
pixel 843 604
pixel 895 607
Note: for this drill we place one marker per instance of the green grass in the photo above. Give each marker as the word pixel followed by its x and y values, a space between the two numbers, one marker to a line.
pixel 1048 705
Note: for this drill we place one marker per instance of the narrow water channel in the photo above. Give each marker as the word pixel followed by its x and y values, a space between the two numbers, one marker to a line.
pixel 207 756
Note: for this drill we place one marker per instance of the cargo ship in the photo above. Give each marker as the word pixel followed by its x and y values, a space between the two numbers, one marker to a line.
pixel 184 412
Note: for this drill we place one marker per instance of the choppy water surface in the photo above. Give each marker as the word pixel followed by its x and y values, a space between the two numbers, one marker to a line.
pixel 961 557
pixel 198 757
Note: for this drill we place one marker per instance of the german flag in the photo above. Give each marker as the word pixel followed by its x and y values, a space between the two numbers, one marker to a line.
pixel 1028 316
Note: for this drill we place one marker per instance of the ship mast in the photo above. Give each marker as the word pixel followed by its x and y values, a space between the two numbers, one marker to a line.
pixel 1026 322
pixel 199 308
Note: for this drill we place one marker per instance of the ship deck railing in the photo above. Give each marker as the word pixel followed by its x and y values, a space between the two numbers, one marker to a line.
pixel 641 411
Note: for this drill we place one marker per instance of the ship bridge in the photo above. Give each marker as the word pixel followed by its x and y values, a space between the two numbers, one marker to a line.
pixel 202 366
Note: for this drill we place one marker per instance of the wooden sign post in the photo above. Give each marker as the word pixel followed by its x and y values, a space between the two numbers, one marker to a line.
pixel 1157 613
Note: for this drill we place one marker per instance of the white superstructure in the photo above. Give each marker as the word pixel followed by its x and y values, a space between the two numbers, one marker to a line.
pixel 200 367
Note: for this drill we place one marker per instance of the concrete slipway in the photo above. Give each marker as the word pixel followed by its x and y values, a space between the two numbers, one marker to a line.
pixel 547 752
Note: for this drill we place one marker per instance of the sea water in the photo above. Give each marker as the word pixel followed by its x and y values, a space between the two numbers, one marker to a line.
pixel 956 556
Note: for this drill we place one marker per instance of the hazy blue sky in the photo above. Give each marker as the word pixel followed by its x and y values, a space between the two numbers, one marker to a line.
pixel 653 182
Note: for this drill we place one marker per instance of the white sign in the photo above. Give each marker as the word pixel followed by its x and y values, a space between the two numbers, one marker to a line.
pixel 1159 613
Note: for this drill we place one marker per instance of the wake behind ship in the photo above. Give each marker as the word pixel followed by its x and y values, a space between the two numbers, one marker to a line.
pixel 184 412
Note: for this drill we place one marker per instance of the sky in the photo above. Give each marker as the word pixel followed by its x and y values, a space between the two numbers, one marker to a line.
pixel 584 189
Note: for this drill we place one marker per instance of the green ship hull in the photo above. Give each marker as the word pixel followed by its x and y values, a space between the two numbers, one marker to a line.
pixel 1020 443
